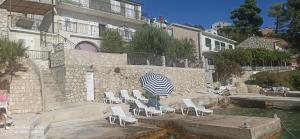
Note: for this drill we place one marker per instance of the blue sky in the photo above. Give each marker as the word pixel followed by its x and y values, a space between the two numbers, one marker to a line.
pixel 204 12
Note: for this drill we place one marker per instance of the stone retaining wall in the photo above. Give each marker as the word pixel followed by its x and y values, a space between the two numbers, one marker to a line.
pixel 111 73
pixel 107 78
pixel 25 91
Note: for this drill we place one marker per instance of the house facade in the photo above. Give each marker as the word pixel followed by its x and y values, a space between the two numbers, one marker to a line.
pixel 68 23
pixel 206 43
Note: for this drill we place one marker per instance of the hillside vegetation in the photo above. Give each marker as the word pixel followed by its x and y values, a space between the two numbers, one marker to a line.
pixel 289 79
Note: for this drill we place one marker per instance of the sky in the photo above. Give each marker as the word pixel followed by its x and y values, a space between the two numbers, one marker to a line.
pixel 203 12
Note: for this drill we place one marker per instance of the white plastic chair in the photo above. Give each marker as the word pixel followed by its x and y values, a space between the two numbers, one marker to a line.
pixel 118 113
pixel 150 111
pixel 125 96
pixel 110 98
pixel 190 105
pixel 137 95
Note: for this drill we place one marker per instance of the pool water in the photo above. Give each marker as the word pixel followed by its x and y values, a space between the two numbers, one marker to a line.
pixel 290 119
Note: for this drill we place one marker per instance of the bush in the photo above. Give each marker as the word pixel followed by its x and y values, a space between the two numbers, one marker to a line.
pixel 112 42
pixel 226 69
pixel 9 54
pixel 290 79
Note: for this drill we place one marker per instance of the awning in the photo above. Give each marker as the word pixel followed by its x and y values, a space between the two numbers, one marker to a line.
pixel 26 7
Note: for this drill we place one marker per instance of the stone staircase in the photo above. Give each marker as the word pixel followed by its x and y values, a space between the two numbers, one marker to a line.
pixel 54 98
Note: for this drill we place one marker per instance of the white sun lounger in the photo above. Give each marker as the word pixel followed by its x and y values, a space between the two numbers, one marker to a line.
pixel 125 96
pixel 166 109
pixel 150 111
pixel 189 105
pixel 137 95
pixel 110 98
pixel 118 113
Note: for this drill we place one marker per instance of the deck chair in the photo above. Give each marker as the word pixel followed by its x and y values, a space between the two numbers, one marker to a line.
pixel 149 111
pixel 118 113
pixel 137 95
pixel 110 98
pixel 189 105
pixel 125 96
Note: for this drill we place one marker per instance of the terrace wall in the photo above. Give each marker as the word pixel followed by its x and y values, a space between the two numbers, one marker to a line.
pixel 111 73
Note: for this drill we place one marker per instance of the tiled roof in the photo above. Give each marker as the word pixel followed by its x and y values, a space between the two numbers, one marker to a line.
pixel 259 42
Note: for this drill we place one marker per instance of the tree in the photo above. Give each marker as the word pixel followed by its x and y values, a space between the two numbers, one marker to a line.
pixel 246 21
pixel 227 69
pixel 112 42
pixel 10 52
pixel 246 18
pixel 278 11
pixel 293 32
pixel 152 40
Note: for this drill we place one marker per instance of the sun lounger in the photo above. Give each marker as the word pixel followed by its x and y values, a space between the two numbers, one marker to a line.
pixel 137 95
pixel 110 98
pixel 150 111
pixel 189 105
pixel 118 113
pixel 125 96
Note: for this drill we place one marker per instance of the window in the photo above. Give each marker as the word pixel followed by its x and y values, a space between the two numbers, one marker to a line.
pixel 210 61
pixel 67 24
pixel 230 46
pixel 115 6
pixel 223 46
pixel 129 12
pixel 101 29
pixel 217 46
pixel 208 43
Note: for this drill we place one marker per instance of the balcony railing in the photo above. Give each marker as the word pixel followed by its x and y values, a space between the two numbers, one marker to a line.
pixel 30 23
pixel 100 5
pixel 91 30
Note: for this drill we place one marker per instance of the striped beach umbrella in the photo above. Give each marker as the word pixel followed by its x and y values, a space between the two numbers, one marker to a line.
pixel 156 84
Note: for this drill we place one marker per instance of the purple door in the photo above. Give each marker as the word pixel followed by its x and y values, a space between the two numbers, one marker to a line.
pixel 87 46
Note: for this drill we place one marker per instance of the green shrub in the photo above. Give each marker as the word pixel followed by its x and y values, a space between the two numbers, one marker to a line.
pixel 289 79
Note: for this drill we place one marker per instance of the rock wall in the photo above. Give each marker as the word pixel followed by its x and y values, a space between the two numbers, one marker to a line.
pixel 107 78
pixel 25 91
pixel 111 73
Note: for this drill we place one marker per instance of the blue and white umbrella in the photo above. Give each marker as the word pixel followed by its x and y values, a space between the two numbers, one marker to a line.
pixel 156 84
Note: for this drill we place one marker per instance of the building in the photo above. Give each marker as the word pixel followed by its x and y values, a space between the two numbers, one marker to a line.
pixel 220 24
pixel 264 42
pixel 44 26
pixel 206 42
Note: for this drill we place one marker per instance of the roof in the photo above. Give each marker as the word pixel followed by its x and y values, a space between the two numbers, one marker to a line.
pixel 186 27
pixel 134 2
pixel 26 7
pixel 218 37
pixel 262 42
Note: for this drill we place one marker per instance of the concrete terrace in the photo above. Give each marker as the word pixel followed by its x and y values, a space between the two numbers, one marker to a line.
pixel 88 120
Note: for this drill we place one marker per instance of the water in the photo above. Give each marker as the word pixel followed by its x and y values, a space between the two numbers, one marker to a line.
pixel 290 119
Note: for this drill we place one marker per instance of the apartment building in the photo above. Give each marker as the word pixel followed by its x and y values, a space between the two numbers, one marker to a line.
pixel 206 43
pixel 51 24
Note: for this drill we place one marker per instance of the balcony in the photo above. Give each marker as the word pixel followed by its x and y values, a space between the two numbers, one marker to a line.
pixel 33 23
pixel 92 30
pixel 103 6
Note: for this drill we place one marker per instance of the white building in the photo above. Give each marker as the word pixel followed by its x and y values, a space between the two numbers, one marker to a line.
pixel 220 24
pixel 207 43
pixel 78 24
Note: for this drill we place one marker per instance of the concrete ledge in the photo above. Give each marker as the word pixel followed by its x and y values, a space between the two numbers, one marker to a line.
pixel 220 127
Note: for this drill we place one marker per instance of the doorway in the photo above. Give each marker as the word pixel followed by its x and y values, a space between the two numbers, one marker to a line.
pixel 90 86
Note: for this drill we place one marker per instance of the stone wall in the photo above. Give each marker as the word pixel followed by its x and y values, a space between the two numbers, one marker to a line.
pixel 111 73
pixel 106 78
pixel 25 91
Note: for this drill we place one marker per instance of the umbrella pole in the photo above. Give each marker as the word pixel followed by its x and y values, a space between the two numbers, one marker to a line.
pixel 156 102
